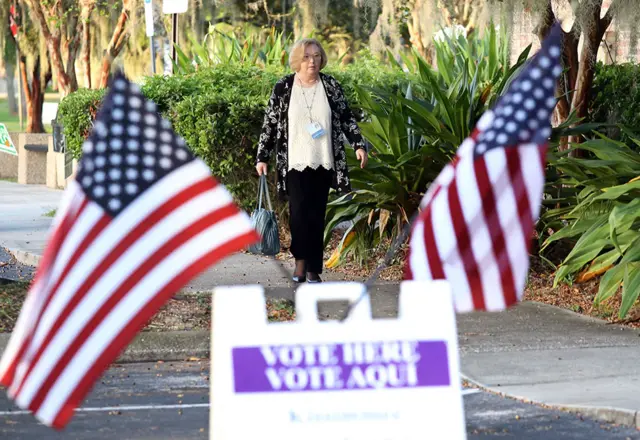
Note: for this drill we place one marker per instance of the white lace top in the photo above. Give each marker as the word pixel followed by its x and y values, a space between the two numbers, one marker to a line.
pixel 304 151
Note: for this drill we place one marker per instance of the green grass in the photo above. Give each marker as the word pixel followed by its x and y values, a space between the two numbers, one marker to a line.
pixel 13 121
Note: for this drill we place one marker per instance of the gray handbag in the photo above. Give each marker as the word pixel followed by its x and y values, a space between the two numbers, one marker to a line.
pixel 265 223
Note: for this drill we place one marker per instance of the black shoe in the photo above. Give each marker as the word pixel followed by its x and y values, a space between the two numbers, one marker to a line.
pixel 299 278
pixel 300 266
pixel 314 279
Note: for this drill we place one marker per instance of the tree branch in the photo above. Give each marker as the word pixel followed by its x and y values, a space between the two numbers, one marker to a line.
pixel 53 45
pixel 42 20
pixel 545 24
pixel 608 17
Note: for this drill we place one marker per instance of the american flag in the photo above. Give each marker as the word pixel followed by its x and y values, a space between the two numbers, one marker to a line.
pixel 142 218
pixel 477 218
pixel 13 26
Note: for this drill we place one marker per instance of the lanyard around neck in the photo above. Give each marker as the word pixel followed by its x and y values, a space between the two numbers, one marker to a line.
pixel 306 103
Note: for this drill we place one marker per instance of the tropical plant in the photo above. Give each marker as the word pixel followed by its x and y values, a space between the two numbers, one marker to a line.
pixel 225 46
pixel 414 133
pixel 597 211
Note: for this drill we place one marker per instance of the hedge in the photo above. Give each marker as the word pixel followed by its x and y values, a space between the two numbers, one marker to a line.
pixel 616 97
pixel 219 112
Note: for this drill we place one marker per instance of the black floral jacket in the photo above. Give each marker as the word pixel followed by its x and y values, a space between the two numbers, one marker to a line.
pixel 275 130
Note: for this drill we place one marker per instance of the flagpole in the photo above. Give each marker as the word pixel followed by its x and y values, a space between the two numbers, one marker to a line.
pixel 175 37
pixel 19 89
pixel 153 55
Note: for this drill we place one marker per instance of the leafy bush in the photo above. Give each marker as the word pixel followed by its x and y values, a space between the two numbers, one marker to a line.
pixel 597 212
pixel 219 112
pixel 616 97
pixel 76 114
pixel 168 91
pixel 222 129
pixel 414 133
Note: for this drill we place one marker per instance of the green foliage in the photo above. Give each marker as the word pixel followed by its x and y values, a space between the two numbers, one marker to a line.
pixel 76 114
pixel 414 132
pixel 235 48
pixel 616 97
pixel 219 111
pixel 596 210
pixel 222 129
pixel 168 91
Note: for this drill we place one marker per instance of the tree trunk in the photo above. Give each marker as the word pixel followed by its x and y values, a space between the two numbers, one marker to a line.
pixel 11 90
pixel 85 55
pixel 34 111
pixel 54 45
pixel 116 44
pixel 10 62
pixel 386 35
pixel 306 19
pixel 357 21
pixel 593 33
pixel 419 30
pixel 574 87
pixel 71 64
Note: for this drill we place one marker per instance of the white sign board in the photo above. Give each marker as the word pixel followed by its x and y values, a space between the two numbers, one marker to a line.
pixel 49 111
pixel 175 6
pixel 148 17
pixel 362 379
pixel 6 145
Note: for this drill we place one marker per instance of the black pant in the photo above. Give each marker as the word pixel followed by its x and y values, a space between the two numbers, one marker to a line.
pixel 308 193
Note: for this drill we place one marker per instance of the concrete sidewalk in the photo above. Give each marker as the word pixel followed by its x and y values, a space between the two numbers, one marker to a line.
pixel 533 351
pixel 23 221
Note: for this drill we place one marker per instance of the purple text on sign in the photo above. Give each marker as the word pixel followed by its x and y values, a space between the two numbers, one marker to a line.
pixel 340 366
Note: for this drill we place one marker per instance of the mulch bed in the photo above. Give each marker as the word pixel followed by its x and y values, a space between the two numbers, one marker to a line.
pixel 577 297
pixel 193 311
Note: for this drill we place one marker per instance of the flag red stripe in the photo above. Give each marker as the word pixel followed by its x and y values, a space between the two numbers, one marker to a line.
pixel 50 253
pixel 464 246
pixel 431 247
pixel 84 245
pixel 120 342
pixel 408 273
pixel 498 244
pixel 61 231
pixel 141 271
pixel 520 192
pixel 118 250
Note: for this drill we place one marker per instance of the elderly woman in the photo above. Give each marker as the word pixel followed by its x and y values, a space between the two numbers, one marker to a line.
pixel 305 121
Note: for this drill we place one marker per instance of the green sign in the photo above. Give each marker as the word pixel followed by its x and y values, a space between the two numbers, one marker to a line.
pixel 6 146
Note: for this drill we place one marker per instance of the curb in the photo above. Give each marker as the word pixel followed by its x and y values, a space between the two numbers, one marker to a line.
pixel 24 257
pixel 157 346
pixel 618 416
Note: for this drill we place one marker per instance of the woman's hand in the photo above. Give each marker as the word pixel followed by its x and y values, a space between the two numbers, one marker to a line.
pixel 261 168
pixel 361 154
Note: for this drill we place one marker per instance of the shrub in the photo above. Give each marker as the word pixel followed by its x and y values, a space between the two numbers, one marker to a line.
pixel 597 214
pixel 76 114
pixel 414 135
pixel 219 112
pixel 616 97
pixel 222 129
pixel 169 91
